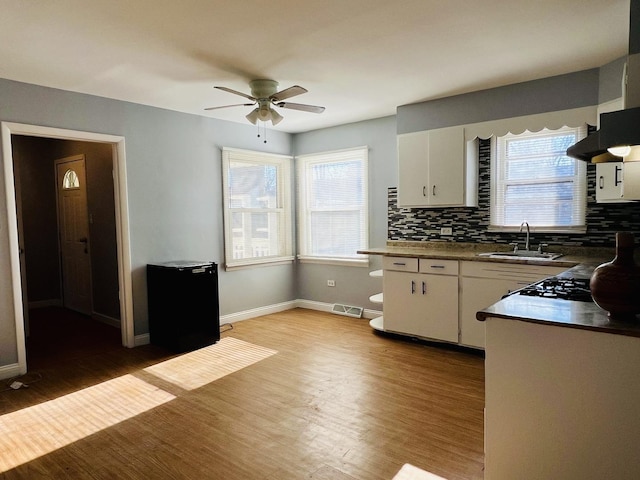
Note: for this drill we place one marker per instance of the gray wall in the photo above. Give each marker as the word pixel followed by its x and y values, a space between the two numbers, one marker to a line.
pixel 353 284
pixel 551 94
pixel 610 80
pixel 174 183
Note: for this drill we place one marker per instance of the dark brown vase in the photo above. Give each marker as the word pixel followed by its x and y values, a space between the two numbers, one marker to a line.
pixel 615 285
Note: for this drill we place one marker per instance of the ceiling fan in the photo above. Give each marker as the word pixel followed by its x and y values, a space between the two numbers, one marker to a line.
pixel 264 94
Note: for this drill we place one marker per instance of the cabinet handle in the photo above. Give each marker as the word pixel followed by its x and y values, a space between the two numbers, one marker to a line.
pixel 601 182
pixel 618 181
pixel 433 190
pixel 400 264
pixel 413 287
pixel 424 190
pixel 424 288
pixel 437 266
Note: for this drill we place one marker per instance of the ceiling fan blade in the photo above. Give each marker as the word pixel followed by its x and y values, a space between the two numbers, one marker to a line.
pixel 234 105
pixel 301 107
pixel 236 93
pixel 288 93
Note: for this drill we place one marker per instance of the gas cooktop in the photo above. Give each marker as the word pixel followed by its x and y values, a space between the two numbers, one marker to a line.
pixel 576 289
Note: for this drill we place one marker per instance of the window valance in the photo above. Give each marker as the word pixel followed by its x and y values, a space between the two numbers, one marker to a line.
pixel 534 123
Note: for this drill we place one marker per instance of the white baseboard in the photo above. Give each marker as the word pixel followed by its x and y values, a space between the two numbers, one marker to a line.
pixel 114 322
pixel 328 307
pixel 140 340
pixel 144 339
pixel 370 314
pixel 256 312
pixel 10 371
pixel 53 302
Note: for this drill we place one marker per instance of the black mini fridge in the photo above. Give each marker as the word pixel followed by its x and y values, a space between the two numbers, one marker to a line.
pixel 183 304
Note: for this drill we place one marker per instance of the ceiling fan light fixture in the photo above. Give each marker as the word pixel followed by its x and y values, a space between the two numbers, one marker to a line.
pixel 253 116
pixel 264 114
pixel 276 118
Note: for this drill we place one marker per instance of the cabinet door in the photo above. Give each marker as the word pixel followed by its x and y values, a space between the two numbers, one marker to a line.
pixel 446 166
pixel 477 294
pixel 412 169
pixel 609 182
pixel 431 168
pixel 422 305
pixel 631 185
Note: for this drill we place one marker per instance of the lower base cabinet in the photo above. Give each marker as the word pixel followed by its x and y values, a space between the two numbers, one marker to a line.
pixel 419 303
pixel 438 299
pixel 483 284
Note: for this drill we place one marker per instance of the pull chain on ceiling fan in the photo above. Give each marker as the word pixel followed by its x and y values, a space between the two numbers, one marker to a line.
pixel 264 94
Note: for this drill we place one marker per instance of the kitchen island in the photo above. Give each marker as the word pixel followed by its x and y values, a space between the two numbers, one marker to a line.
pixel 562 390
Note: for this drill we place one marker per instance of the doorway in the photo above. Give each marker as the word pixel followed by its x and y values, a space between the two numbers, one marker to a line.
pixel 121 225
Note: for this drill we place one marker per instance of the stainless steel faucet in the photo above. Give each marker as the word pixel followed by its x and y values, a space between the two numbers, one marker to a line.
pixel 526 245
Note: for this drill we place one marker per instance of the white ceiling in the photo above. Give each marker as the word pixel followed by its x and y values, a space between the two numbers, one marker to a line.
pixel 358 58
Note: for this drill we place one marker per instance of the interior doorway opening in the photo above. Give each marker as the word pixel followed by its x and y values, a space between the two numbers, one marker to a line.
pixel 123 259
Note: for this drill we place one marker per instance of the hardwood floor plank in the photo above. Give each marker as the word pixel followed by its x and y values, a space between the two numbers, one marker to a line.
pixel 336 402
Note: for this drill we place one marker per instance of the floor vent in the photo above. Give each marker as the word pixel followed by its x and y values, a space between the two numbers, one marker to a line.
pixel 347 310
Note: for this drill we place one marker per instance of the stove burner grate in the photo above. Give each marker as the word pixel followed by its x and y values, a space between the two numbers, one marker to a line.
pixel 576 289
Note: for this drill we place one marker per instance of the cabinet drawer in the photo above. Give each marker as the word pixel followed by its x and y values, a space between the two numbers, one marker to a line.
pixel 400 264
pixel 527 273
pixel 442 267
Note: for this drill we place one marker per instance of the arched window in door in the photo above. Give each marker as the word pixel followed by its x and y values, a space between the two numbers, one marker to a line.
pixel 70 180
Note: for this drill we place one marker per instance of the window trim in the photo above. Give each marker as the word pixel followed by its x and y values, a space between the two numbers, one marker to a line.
pixel 284 164
pixel 334 156
pixel 581 189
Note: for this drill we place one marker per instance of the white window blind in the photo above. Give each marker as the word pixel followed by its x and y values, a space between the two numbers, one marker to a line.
pixel 333 206
pixel 257 208
pixel 533 180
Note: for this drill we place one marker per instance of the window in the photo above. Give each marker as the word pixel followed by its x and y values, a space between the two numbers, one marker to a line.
pixel 70 180
pixel 533 180
pixel 332 206
pixel 257 208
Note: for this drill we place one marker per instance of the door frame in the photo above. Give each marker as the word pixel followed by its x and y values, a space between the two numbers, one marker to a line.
pixel 122 223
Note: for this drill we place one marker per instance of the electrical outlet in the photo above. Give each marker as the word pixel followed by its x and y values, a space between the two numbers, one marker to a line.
pixel 446 231
pixel 331 283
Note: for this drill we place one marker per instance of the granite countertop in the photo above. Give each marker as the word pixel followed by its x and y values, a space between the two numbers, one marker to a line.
pixel 580 263
pixel 571 257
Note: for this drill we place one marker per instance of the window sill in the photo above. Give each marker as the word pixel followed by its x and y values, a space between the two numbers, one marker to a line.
pixel 259 263
pixel 347 262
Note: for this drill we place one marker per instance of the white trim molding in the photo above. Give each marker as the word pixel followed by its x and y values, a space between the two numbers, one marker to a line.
pixel 122 223
pixel 10 371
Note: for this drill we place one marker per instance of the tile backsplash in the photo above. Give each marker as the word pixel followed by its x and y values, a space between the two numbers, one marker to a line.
pixel 470 224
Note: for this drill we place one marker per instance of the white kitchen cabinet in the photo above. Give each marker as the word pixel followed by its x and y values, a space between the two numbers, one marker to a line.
pixel 631 183
pixel 432 169
pixel 421 304
pixel 609 182
pixel 483 284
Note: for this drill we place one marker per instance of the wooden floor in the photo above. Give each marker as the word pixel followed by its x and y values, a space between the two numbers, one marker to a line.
pixel 337 402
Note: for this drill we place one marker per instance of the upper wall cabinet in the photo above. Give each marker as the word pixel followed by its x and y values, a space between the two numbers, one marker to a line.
pixel 437 169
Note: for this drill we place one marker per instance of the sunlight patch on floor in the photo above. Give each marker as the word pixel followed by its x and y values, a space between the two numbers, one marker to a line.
pixel 38 430
pixel 195 369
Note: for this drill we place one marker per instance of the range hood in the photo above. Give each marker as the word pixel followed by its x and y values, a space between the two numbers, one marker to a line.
pixel 621 128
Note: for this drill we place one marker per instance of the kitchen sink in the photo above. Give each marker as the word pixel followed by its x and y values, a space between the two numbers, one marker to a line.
pixel 522 255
